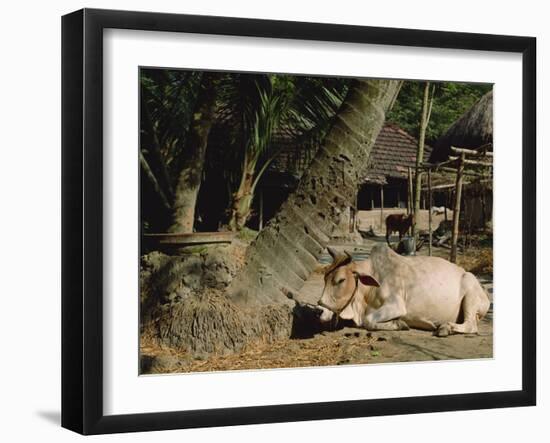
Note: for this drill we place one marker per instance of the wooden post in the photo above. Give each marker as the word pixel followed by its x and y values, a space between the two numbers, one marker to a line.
pixel 381 207
pixel 465 229
pixel 456 209
pixel 429 212
pixel 483 209
pixel 410 197
pixel 410 193
pixel 447 203
pixel 261 223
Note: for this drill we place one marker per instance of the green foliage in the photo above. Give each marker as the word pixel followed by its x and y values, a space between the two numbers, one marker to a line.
pixel 253 107
pixel 167 101
pixel 450 102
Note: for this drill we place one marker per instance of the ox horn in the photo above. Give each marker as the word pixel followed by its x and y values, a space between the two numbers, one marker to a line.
pixel 338 259
pixel 333 252
pixel 349 254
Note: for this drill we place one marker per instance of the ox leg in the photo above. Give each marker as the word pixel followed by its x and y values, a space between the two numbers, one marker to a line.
pixel 419 323
pixel 387 317
pixel 474 306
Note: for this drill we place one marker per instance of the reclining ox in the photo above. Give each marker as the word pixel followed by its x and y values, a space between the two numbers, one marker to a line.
pixel 390 292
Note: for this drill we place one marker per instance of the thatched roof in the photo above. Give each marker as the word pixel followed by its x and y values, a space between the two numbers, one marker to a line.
pixel 472 130
pixel 393 153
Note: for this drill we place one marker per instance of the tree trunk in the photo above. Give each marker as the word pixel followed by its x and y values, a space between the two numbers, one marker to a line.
pixel 424 119
pixel 242 199
pixel 192 162
pixel 287 249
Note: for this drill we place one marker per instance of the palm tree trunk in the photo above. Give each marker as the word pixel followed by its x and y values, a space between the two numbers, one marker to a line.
pixel 287 249
pixel 192 163
pixel 242 199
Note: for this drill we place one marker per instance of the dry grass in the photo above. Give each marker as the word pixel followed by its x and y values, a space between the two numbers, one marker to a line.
pixel 477 261
pixel 321 350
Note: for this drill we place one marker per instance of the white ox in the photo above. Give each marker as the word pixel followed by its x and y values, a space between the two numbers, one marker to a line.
pixel 390 292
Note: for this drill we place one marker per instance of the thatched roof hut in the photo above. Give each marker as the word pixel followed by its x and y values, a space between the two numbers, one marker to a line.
pixel 473 130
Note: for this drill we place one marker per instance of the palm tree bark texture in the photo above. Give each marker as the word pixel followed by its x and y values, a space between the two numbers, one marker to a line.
pixel 192 163
pixel 286 251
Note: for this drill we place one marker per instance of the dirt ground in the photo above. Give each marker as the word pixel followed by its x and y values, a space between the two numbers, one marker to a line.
pixel 345 346
pixel 331 348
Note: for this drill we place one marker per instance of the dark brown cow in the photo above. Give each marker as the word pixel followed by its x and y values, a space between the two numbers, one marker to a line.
pixel 398 222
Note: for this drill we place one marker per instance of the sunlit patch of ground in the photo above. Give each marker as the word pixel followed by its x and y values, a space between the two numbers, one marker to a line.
pixel 345 346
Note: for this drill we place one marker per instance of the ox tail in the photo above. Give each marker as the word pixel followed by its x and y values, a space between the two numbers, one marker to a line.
pixel 484 302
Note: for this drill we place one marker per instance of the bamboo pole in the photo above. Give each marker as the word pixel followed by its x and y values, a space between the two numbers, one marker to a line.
pixel 430 212
pixel 466 172
pixel 456 211
pixel 381 207
pixel 474 162
pixel 410 196
pixel 478 153
pixel 452 185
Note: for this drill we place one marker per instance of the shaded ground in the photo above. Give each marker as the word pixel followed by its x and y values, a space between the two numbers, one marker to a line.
pixel 345 346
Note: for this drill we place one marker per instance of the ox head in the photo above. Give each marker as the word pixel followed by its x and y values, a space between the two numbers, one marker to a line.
pixel 346 287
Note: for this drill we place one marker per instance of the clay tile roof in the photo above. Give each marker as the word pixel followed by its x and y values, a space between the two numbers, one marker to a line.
pixel 393 152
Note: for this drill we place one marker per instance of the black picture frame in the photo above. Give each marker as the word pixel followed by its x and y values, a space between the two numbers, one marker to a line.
pixel 82 218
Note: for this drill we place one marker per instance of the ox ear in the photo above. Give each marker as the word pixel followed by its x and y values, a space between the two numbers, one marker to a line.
pixel 367 280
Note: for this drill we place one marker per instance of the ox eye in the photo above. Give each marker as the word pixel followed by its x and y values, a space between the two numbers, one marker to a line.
pixel 339 282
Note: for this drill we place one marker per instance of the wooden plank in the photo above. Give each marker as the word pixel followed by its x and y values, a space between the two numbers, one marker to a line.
pixel 195 238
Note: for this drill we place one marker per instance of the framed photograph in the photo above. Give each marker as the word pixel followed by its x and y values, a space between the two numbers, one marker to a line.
pixel 269 221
